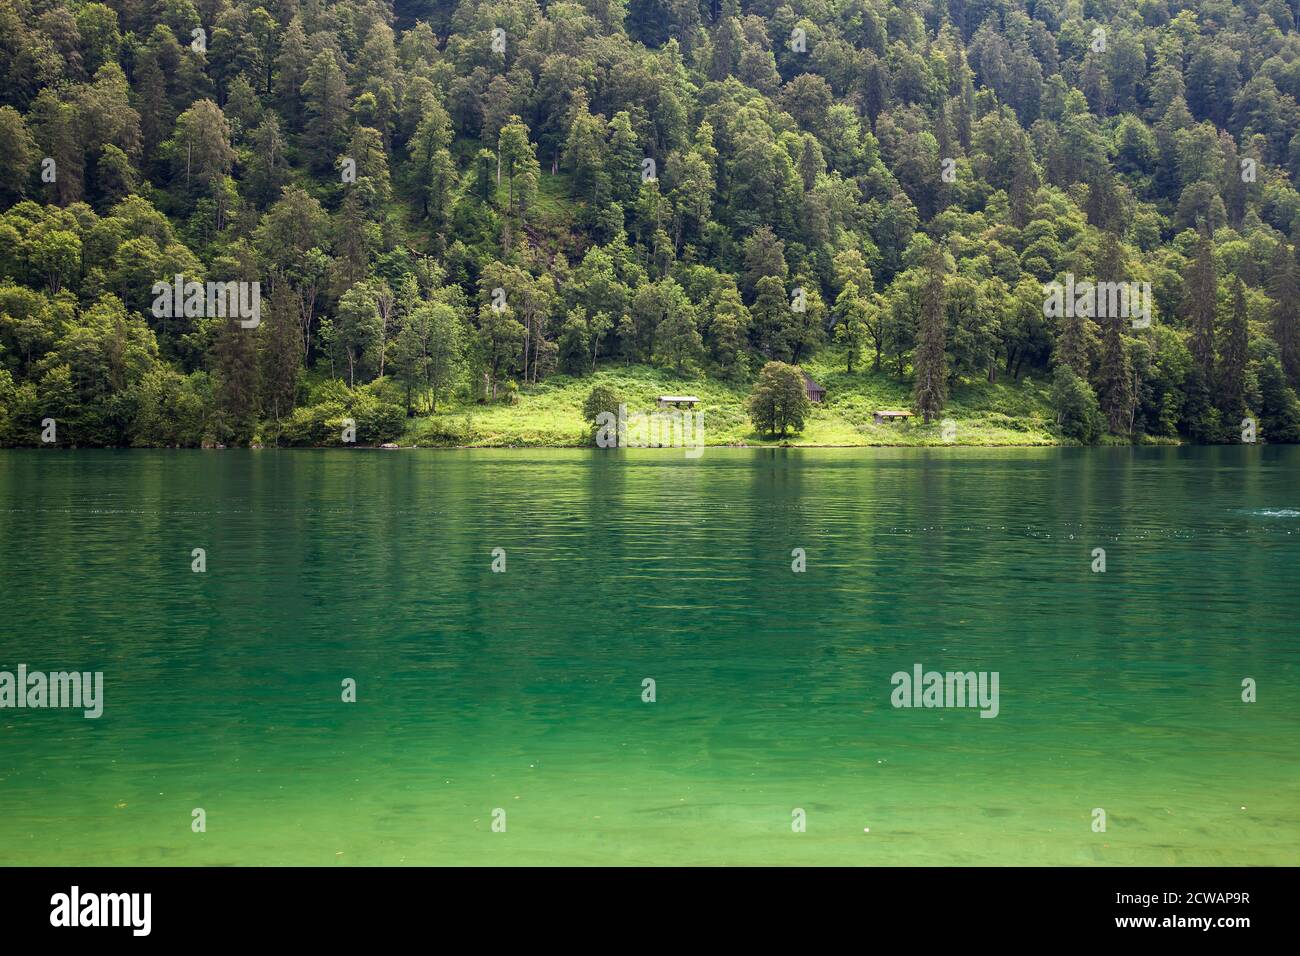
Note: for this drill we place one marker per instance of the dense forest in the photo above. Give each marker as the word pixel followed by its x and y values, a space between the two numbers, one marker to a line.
pixel 447 203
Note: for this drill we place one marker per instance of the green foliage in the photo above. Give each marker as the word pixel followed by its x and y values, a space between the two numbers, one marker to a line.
pixel 602 399
pixel 325 422
pixel 1077 413
pixel 1279 409
pixel 649 186
pixel 779 402
pixel 930 393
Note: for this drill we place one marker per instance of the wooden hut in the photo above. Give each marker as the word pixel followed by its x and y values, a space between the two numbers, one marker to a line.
pixel 678 401
pixel 815 392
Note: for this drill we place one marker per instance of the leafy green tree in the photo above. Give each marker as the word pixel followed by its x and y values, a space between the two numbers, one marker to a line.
pixel 200 147
pixel 501 336
pixel 17 156
pixel 1024 330
pixel 899 324
pixel 518 158
pixel 366 150
pixel 58 129
pixel 779 402
pixel 410 355
pixel 801 332
pixel 55 255
pixel 853 320
pixel 692 195
pixel 575 343
pixel 679 341
pixel 602 399
pixel 585 154
pixel 115 176
pixel 729 332
pixel 100 40
pixel 358 324
pixel 970 328
pixel 764 257
pixel 771 315
pixel 1073 345
pixel 445 349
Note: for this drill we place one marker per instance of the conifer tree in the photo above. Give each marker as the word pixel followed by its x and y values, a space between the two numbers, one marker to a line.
pixel 1072 344
pixel 1284 289
pixel 929 361
pixel 1232 365
pixel 1115 385
pixel 327 105
pixel 1201 293
pixel 1115 377
pixel 281 354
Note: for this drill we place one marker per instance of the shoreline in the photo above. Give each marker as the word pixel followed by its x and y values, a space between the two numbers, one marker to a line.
pixel 551 447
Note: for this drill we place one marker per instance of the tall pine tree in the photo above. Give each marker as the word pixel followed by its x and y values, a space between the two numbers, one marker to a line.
pixel 1232 365
pixel 1115 385
pixel 929 361
pixel 1201 293
pixel 1285 292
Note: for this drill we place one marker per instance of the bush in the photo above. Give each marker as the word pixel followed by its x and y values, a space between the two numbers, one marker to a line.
pixel 376 421
pixel 170 409
pixel 447 433
pixel 1075 404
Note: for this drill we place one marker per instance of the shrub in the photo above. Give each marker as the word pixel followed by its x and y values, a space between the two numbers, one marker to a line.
pixel 376 421
pixel 1075 404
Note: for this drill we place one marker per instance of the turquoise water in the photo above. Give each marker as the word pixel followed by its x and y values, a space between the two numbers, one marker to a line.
pixel 522 691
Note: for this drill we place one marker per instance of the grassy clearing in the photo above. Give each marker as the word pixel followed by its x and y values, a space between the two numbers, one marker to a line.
pixel 550 414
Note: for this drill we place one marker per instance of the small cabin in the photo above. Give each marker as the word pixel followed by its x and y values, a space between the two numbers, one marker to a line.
pixel 678 401
pixel 888 416
pixel 815 392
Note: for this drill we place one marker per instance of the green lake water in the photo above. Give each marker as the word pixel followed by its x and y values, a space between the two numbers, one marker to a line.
pixel 522 690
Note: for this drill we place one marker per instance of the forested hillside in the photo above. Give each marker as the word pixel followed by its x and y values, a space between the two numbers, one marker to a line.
pixel 451 207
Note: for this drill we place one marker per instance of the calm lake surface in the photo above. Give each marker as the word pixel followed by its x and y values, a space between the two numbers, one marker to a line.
pixel 522 690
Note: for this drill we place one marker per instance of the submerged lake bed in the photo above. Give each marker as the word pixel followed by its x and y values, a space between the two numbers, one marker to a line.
pixel 632 657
